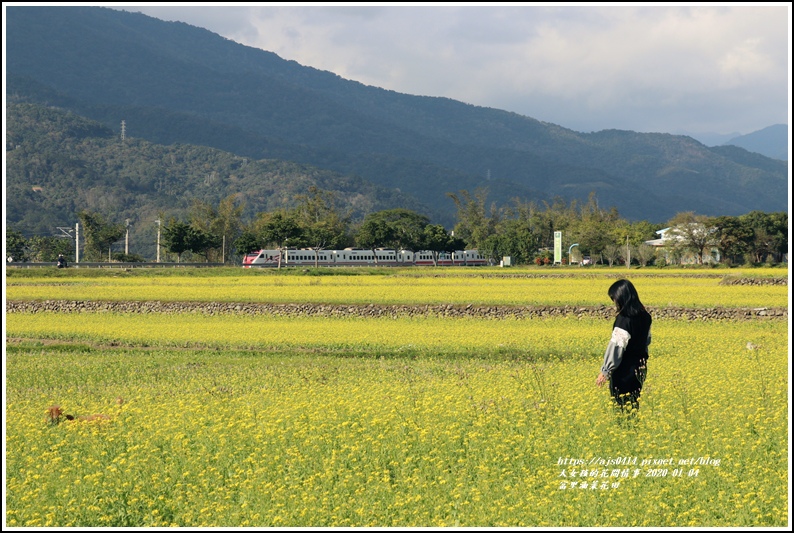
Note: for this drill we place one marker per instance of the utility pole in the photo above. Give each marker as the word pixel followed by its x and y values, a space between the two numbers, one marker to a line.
pixel 628 252
pixel 77 242
pixel 127 238
pixel 158 239
pixel 123 129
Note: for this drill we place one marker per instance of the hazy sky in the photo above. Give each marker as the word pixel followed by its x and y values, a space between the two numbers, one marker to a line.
pixel 647 67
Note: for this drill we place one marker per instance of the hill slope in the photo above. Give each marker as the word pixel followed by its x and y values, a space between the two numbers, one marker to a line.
pixel 58 163
pixel 174 83
pixel 771 141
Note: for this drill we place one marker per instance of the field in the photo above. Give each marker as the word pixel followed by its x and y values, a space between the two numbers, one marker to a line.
pixel 227 419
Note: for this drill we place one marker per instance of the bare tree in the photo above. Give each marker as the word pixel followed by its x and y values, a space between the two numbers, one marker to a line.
pixel 613 253
pixel 643 253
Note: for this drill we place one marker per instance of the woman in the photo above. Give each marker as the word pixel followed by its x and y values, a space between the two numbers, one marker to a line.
pixel 625 360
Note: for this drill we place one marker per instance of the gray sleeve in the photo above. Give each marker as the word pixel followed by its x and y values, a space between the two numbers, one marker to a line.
pixel 615 349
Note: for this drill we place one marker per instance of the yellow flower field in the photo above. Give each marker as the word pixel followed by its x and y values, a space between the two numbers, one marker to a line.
pixel 572 287
pixel 299 438
pixel 261 421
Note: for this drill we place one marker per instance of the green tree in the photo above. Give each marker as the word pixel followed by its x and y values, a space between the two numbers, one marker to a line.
pixel 280 228
pixel 99 234
pixel 734 238
pixel 47 249
pixel 322 224
pixel 248 242
pixel 16 246
pixel 436 239
pixel 374 233
pixel 474 224
pixel 219 226
pixel 401 229
pixel 514 238
pixel 177 237
pixel 204 243
pixel 770 234
pixel 595 229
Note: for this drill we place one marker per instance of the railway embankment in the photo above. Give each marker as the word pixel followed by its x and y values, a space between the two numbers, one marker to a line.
pixel 491 312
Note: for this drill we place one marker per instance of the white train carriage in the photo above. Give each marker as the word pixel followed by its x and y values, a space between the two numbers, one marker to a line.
pixel 361 257
pixel 470 258
pixel 457 258
pixel 366 257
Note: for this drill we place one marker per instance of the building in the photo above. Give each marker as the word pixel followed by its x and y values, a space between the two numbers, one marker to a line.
pixel 667 250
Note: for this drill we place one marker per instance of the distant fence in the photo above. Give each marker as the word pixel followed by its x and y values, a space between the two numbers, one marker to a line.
pixel 118 265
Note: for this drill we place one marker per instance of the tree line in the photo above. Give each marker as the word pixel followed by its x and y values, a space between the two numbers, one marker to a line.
pixel 522 230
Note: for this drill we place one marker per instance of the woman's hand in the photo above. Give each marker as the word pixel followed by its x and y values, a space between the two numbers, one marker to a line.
pixel 601 379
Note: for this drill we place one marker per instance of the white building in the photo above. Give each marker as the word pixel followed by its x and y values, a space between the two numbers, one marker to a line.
pixel 665 249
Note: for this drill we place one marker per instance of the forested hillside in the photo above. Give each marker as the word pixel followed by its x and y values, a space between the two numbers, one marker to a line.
pixel 59 163
pixel 176 84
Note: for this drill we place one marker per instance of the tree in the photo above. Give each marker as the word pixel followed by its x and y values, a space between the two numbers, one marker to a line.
pixel 204 243
pixel 177 238
pixel 770 234
pixel 278 228
pixel 99 234
pixel 556 217
pixel 613 253
pixel 519 233
pixel 218 225
pixel 248 242
pixel 47 249
pixel 474 223
pixel 401 229
pixel 693 233
pixel 643 253
pixel 16 247
pixel 734 238
pixel 596 228
pixel 373 233
pixel 322 225
pixel 515 239
pixel 436 239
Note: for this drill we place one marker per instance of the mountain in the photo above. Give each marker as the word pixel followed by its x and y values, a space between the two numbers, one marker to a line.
pixel 59 163
pixel 173 83
pixel 771 141
pixel 711 138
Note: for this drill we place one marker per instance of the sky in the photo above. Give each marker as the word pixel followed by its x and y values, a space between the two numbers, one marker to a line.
pixel 683 68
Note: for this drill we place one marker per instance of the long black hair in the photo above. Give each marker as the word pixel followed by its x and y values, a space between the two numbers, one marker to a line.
pixel 626 298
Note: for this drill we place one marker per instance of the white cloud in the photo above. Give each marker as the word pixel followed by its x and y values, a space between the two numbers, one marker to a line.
pixel 648 68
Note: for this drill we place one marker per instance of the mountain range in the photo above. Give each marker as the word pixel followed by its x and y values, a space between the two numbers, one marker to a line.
pixel 771 141
pixel 175 85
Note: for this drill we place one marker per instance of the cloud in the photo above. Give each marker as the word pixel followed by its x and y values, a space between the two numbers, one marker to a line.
pixel 646 68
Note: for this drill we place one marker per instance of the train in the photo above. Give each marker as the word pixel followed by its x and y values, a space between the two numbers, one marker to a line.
pixel 362 257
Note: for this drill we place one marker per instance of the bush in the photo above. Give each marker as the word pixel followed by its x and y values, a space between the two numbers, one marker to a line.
pixel 128 258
